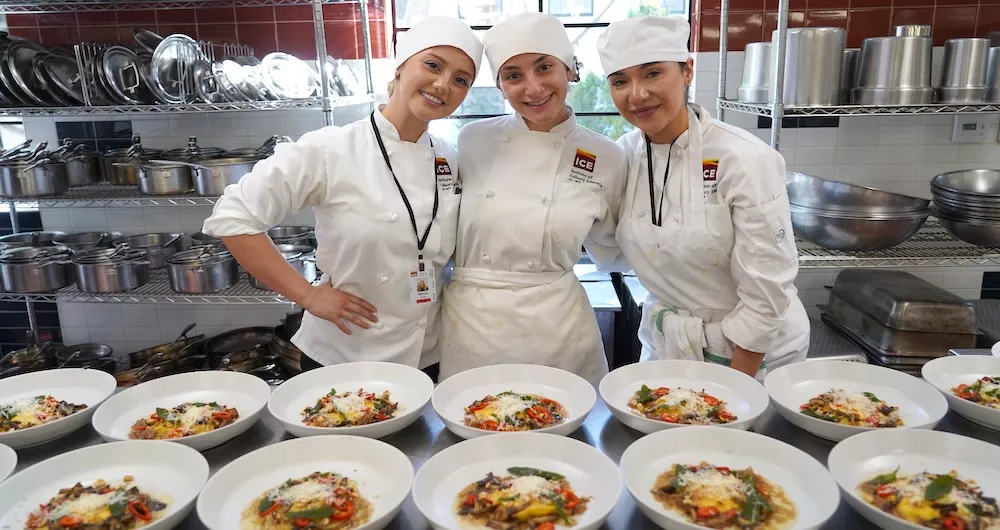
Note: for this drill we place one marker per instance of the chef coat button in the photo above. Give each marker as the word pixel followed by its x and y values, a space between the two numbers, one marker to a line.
pixel 393 218
pixel 429 157
pixel 489 194
pixel 531 264
pixel 383 278
pixel 642 213
pixel 545 200
pixel 486 259
pixel 379 325
pixel 421 324
pixel 505 138
pixel 558 143
pixel 677 217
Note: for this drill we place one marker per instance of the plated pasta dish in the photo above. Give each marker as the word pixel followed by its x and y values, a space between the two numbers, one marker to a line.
pixel 932 500
pixel 856 409
pixel 511 411
pixel 680 405
pixel 319 501
pixel 349 409
pixel 35 411
pixel 186 419
pixel 100 506
pixel 523 499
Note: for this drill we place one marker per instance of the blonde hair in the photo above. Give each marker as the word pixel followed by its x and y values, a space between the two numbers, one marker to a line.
pixel 391 87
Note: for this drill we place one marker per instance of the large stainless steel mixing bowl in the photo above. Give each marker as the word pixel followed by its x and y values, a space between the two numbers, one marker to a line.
pixel 819 193
pixel 964 210
pixel 845 231
pixel 982 233
pixel 979 183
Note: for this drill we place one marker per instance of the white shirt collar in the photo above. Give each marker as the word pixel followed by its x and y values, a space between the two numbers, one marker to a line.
pixel 389 132
pixel 563 129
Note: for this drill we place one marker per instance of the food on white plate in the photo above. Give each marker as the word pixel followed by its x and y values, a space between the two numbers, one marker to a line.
pixel 511 411
pixel 320 501
pixel 680 405
pixel 35 411
pixel 524 499
pixel 724 499
pixel 932 500
pixel 857 409
pixel 99 506
pixel 985 391
pixel 349 409
pixel 186 419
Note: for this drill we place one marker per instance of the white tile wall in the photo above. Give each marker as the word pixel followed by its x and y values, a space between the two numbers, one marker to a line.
pixel 895 153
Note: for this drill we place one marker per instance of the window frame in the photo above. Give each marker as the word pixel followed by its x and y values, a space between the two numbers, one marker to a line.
pixel 587 13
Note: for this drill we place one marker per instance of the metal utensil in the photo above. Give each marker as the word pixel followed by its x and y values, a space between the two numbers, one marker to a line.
pixel 88 240
pixel 845 231
pixel 111 271
pixel 202 270
pixel 993 76
pixel 849 74
pixel 894 71
pixel 814 58
pixel 146 39
pixel 287 77
pixel 172 67
pixel 39 178
pixel 300 257
pixel 35 269
pixel 963 73
pixel 158 247
pixel 756 73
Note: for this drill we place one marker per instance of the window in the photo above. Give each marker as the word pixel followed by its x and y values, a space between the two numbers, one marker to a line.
pixel 571 8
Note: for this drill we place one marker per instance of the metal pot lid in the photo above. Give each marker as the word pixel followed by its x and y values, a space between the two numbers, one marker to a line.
pixel 240 76
pixel 31 238
pixel 65 75
pixel 227 85
pixel 200 256
pixel 348 79
pixel 19 57
pixel 45 84
pixel 147 39
pixel 171 67
pixel 200 153
pixel 206 85
pixel 120 254
pixel 85 352
pixel 33 254
pixel 230 160
pixel 287 76
pixel 120 69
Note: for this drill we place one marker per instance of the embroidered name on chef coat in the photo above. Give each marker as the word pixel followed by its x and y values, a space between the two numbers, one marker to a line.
pixel 710 178
pixel 445 178
pixel 583 168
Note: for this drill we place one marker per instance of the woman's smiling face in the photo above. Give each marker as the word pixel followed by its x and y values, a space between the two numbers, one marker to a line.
pixel 650 96
pixel 434 82
pixel 536 86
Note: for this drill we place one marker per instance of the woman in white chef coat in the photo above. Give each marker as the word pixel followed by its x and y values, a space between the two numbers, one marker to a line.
pixel 386 203
pixel 705 222
pixel 537 187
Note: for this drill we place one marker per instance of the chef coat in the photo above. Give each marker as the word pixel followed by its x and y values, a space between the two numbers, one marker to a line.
pixel 724 250
pixel 530 201
pixel 366 243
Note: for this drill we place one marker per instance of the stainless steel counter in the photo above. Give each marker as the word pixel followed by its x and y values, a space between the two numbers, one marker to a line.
pixel 428 436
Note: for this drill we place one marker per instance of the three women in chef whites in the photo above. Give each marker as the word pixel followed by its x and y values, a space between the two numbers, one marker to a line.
pixel 695 207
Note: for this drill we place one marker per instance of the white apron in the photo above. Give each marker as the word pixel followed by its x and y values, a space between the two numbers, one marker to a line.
pixel 689 253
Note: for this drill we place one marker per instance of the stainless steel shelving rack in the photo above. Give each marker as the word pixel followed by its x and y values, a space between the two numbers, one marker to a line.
pixel 932 246
pixel 158 289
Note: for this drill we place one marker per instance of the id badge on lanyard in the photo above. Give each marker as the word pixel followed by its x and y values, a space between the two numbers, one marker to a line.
pixel 423 287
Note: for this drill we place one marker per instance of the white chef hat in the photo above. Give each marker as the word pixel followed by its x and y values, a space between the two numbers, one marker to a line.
pixel 643 40
pixel 527 33
pixel 439 31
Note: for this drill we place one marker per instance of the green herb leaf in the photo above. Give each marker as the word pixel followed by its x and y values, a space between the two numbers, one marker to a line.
pixel 814 414
pixel 213 404
pixel 314 514
pixel 378 405
pixel 333 392
pixel 977 509
pixel 507 393
pixel 756 506
pixel 645 395
pixel 39 398
pixel 118 508
pixel 939 487
pixel 530 471
pixel 511 498
pixel 198 404
pixel 163 414
pixel 871 396
pixel 885 478
pixel 679 482
pixel 561 510
pixel 265 503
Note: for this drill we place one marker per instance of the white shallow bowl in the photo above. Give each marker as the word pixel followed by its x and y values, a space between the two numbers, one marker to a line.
pixel 945 373
pixel 462 389
pixel 169 471
pixel 866 455
pixel 805 481
pixel 8 461
pixel 248 394
pixel 73 385
pixel 920 406
pixel 409 387
pixel 744 396
pixel 588 471
pixel 383 473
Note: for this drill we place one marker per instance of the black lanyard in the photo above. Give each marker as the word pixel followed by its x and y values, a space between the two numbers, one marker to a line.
pixel 409 209
pixel 657 214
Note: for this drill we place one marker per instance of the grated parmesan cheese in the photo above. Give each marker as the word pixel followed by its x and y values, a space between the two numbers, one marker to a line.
pixel 86 503
pixel 193 415
pixel 712 483
pixel 852 403
pixel 302 492
pixel 529 486
pixel 351 405
pixel 507 406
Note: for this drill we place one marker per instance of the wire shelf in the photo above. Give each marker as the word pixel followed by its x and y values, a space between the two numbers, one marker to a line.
pixel 932 246
pixel 69 6
pixel 291 104
pixel 764 109
pixel 111 196
pixel 158 291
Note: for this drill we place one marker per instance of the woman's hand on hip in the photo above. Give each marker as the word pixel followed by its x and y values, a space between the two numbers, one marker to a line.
pixel 330 303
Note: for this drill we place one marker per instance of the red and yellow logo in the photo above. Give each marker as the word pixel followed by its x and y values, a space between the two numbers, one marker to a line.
pixel 710 169
pixel 441 166
pixel 585 161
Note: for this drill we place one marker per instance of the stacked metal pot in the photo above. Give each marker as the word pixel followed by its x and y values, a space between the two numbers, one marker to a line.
pixel 968 204
pixel 35 269
pixel 114 270
pixel 842 216
pixel 26 173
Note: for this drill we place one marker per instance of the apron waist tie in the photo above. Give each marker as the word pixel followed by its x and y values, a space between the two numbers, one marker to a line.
pixel 488 279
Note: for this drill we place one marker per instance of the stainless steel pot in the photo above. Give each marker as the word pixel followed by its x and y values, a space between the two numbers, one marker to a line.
pixel 111 270
pixel 35 269
pixel 302 258
pixel 849 74
pixel 158 247
pixel 293 235
pixel 963 73
pixel 756 73
pixel 814 58
pixel 212 176
pixel 976 232
pixel 163 178
pixel 912 30
pixel 203 239
pixel 993 76
pixel 120 166
pixel 31 239
pixel 41 178
pixel 894 71
pixel 81 163
pixel 202 270
pixel 88 240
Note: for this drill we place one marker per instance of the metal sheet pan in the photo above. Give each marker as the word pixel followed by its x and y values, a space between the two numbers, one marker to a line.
pixel 903 364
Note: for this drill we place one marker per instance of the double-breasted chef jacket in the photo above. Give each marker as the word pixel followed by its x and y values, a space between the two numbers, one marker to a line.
pixel 530 202
pixel 724 249
pixel 366 242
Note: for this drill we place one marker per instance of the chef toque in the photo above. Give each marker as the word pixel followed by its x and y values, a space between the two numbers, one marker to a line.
pixel 527 33
pixel 439 31
pixel 643 40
